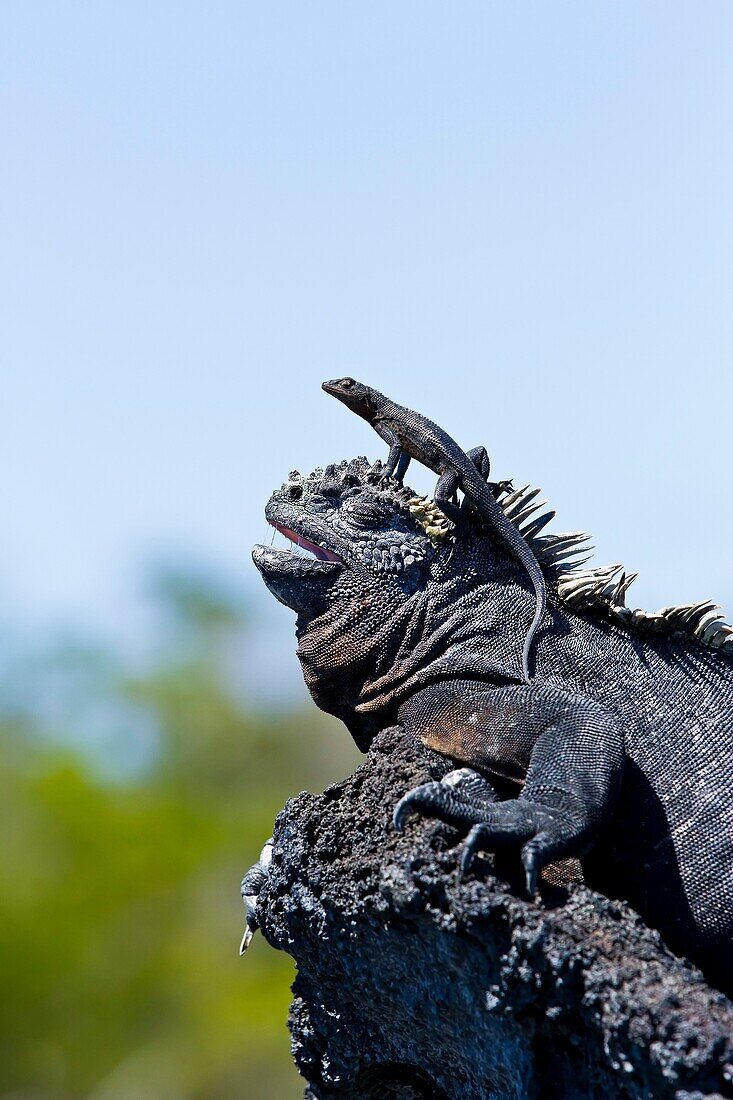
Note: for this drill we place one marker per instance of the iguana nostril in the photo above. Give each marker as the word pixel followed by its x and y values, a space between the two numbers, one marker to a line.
pixel 295 492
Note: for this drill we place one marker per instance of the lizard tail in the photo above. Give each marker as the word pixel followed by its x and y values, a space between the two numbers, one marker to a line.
pixel 540 591
pixel 492 511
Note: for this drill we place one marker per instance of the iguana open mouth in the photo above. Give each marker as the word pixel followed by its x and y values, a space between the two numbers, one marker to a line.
pixel 320 552
pixel 299 580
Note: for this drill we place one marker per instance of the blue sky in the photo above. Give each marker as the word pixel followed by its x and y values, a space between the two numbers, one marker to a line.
pixel 515 217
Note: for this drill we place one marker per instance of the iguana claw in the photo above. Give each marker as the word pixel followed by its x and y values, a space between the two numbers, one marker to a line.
pixel 481 835
pixel 426 798
pixel 454 799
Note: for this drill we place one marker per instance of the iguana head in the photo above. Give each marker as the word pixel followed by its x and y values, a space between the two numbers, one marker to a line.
pixel 383 589
pixel 355 538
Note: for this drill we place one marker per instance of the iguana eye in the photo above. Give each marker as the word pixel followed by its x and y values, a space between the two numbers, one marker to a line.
pixel 347 383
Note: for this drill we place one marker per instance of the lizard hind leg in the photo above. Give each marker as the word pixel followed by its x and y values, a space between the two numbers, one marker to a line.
pixel 446 495
pixel 446 491
pixel 480 458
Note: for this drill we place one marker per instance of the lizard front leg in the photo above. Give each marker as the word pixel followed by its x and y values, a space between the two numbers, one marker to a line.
pixel 569 748
pixel 396 464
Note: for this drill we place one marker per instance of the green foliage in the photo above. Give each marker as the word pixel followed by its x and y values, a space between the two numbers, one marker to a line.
pixel 120 908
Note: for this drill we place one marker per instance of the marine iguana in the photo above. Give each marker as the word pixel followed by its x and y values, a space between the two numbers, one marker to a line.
pixel 411 435
pixel 618 753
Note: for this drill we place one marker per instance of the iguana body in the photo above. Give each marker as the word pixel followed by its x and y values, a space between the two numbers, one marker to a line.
pixel 620 751
pixel 411 435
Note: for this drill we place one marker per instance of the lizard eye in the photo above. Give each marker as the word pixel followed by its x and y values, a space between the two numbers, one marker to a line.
pixel 347 383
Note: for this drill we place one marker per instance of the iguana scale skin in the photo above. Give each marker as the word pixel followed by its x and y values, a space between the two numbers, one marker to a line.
pixel 411 435
pixel 618 753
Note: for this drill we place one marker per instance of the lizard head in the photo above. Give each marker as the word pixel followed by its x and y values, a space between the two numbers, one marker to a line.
pixel 356 396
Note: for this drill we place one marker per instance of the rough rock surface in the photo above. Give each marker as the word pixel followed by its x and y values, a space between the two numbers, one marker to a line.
pixel 412 983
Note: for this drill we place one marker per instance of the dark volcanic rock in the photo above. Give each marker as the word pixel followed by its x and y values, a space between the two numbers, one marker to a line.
pixel 412 983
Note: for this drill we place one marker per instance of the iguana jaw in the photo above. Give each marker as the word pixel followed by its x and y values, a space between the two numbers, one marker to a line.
pixel 296 580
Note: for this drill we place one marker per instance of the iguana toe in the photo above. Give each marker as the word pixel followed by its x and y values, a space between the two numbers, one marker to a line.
pixel 443 800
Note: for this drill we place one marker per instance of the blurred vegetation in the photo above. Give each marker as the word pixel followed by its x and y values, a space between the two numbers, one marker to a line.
pixel 132 800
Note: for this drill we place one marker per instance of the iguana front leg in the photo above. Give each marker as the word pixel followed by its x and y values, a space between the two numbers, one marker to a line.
pixel 568 750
